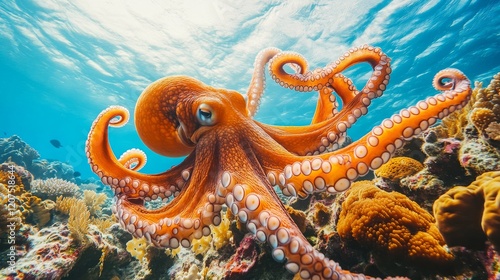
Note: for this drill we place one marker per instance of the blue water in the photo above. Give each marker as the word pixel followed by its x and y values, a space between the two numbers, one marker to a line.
pixel 62 62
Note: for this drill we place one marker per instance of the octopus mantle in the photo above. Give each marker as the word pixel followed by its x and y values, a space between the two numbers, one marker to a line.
pixel 236 161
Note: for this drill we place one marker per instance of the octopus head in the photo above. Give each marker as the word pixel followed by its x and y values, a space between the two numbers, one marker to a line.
pixel 173 113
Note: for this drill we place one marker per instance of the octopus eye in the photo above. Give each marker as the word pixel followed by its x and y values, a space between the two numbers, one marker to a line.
pixel 205 115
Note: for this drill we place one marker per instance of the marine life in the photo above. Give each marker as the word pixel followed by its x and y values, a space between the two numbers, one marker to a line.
pixel 235 160
pixel 77 174
pixel 55 143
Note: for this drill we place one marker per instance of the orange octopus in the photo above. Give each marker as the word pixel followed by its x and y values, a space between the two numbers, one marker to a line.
pixel 234 160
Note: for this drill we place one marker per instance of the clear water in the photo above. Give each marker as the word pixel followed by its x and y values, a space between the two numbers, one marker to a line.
pixel 62 62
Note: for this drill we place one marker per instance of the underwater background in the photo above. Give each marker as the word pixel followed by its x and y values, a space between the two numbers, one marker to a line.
pixel 63 62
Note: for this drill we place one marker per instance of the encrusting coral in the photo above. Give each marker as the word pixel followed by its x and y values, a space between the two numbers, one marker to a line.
pixel 137 248
pixel 392 226
pixel 53 187
pixel 468 216
pixel 398 168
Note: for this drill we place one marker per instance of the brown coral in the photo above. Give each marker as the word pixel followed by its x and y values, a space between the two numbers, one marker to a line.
pixel 468 216
pixel 321 214
pixel 391 226
pixel 398 168
pixel 299 217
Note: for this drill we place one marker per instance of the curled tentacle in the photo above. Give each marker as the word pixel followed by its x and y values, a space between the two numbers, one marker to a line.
pixel 114 173
pixel 176 224
pixel 334 172
pixel 133 159
pixel 325 135
pixel 254 203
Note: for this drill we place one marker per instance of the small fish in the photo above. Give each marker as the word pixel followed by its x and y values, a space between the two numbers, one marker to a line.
pixel 77 174
pixel 55 143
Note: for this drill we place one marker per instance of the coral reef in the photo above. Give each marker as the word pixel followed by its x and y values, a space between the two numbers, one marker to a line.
pixel 44 169
pixel 393 227
pixel 478 157
pixel 468 216
pixel 53 187
pixel 52 253
pixel 16 150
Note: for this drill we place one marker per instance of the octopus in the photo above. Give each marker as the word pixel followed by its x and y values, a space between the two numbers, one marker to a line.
pixel 233 161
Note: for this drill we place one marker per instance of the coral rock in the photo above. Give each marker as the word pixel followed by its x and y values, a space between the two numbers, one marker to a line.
pixel 467 216
pixel 16 150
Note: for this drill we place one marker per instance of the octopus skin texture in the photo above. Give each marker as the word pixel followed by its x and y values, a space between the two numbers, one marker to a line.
pixel 234 160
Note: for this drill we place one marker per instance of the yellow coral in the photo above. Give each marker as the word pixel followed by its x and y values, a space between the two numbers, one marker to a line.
pixel 481 118
pixel 481 98
pixel 399 167
pixel 63 204
pixel 391 225
pixel 93 201
pixel 467 216
pixel 137 248
pixel 221 234
pixel 78 221
pixel 202 245
pixel 14 181
pixel 102 224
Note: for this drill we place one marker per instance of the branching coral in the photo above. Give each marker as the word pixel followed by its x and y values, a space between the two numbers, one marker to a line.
pixel 398 168
pixel 392 226
pixel 93 201
pixel 78 221
pixel 103 224
pixel 467 216
pixel 63 204
pixel 54 187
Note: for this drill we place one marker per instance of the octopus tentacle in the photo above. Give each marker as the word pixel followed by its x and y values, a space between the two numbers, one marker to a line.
pixel 186 218
pixel 133 159
pixel 334 172
pixel 324 134
pixel 258 82
pixel 118 175
pixel 254 203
